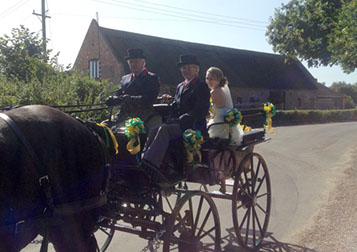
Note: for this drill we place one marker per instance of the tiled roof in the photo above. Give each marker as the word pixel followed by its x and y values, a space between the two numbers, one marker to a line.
pixel 246 69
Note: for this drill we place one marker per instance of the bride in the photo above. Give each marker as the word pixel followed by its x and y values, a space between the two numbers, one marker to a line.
pixel 221 102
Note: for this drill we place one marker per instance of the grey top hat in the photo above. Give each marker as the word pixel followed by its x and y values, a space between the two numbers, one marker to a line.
pixel 187 59
pixel 135 54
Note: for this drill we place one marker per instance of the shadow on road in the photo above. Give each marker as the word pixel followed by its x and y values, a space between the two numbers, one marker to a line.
pixel 270 244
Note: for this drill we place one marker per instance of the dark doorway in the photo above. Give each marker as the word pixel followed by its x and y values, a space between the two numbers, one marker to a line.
pixel 278 99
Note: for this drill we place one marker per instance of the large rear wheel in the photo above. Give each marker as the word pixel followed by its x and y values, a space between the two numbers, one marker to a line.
pixel 251 201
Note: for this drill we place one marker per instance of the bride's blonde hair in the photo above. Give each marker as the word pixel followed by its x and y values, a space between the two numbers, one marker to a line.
pixel 218 74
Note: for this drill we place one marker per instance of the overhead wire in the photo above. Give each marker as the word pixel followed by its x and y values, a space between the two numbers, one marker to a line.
pixel 185 13
pixel 185 16
pixel 207 13
pixel 13 8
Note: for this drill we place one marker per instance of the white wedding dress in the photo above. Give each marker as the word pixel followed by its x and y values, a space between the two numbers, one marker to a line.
pixel 222 130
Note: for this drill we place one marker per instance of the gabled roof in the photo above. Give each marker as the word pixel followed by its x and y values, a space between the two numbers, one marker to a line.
pixel 246 69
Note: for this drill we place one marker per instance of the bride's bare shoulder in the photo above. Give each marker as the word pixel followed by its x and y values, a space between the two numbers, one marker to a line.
pixel 218 97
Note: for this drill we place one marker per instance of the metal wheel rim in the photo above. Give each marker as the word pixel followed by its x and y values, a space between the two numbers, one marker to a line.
pixel 109 236
pixel 250 230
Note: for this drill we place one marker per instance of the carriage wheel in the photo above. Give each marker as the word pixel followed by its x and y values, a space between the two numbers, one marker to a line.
pixel 194 225
pixel 104 236
pixel 251 201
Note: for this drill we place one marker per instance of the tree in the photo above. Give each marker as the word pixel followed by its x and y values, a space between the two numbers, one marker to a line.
pixel 322 32
pixel 21 56
pixel 346 89
pixel 26 78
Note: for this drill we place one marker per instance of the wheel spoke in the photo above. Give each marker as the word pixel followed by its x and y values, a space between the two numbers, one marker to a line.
pixel 255 176
pixel 191 216
pixel 262 209
pixel 260 184
pixel 258 222
pixel 261 195
pixel 253 222
pixel 204 222
pixel 244 190
pixel 242 205
pixel 247 228
pixel 206 233
pixel 198 213
pixel 168 202
pixel 246 179
pixel 104 231
pixel 243 220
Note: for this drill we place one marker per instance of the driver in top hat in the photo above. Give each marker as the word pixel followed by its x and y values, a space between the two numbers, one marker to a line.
pixel 138 91
pixel 188 111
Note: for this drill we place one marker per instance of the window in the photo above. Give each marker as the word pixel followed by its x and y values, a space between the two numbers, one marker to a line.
pixel 94 68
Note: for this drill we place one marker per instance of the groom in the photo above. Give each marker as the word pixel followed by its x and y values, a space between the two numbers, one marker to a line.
pixel 188 111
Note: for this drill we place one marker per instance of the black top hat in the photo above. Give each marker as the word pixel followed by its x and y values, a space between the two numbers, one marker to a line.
pixel 187 59
pixel 135 54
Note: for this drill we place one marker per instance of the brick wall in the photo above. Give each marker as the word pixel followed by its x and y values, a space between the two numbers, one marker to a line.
pixel 111 69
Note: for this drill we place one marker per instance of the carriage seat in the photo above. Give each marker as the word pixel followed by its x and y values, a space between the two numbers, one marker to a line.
pixel 249 137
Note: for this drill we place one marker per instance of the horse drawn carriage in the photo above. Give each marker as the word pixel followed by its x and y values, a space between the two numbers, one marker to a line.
pixel 181 216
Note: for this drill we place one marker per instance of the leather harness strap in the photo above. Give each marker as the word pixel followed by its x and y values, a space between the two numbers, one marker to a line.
pixel 43 180
pixel 56 210
pixel 22 138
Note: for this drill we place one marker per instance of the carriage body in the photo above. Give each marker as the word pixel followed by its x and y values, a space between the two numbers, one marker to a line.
pixel 166 212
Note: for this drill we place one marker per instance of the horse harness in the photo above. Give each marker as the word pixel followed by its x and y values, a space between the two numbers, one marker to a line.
pixel 50 209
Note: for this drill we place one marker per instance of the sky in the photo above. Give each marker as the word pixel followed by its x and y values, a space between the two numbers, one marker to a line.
pixel 239 24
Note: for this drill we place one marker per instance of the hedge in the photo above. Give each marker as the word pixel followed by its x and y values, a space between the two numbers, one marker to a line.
pixel 293 117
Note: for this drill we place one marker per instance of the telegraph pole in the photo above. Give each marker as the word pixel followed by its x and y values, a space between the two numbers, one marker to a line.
pixel 43 20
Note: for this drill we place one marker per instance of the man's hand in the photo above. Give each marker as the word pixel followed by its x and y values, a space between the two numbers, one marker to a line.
pixel 113 100
pixel 166 98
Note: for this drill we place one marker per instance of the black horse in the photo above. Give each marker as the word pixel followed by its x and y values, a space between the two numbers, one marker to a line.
pixel 53 177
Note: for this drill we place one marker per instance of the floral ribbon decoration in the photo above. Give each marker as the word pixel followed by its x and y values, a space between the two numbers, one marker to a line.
pixel 114 140
pixel 270 111
pixel 134 127
pixel 192 139
pixel 246 128
pixel 211 109
pixel 233 117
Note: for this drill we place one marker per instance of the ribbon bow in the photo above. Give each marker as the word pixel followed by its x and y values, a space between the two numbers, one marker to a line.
pixel 192 140
pixel 233 117
pixel 134 127
pixel 270 111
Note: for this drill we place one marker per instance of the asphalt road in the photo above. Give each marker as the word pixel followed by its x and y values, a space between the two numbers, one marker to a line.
pixel 312 170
